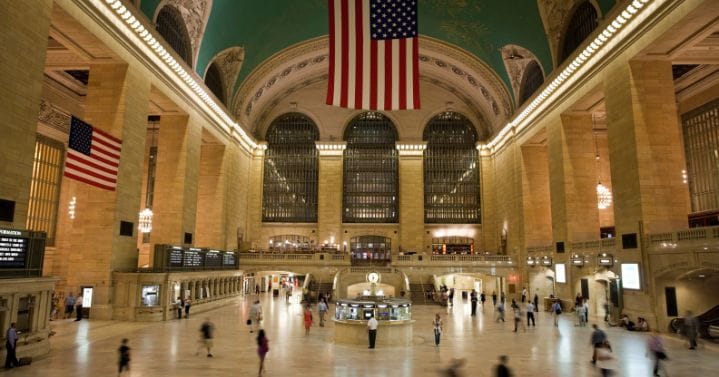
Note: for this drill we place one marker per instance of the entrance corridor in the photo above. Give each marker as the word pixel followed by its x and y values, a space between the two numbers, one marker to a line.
pixel 89 348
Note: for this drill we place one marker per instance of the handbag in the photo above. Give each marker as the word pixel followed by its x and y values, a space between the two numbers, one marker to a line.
pixel 558 311
pixel 249 321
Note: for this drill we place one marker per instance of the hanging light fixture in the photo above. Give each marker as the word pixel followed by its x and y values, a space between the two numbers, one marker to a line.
pixel 145 221
pixel 604 195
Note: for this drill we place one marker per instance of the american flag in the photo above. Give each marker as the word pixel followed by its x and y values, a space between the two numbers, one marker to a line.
pixel 374 55
pixel 93 156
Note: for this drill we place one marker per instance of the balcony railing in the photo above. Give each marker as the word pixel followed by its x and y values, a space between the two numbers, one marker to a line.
pixel 458 260
pixel 670 240
pixel 293 259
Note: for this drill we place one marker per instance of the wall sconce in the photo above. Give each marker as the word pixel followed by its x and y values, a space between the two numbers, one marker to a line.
pixel 546 261
pixel 577 260
pixel 145 221
pixel 605 259
pixel 71 208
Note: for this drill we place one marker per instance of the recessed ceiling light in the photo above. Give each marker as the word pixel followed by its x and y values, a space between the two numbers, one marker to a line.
pixel 702 276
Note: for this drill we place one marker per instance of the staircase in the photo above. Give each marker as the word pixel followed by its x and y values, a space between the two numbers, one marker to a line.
pixel 708 324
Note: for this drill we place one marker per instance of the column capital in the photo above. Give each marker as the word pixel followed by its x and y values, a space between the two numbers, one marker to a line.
pixel 331 148
pixel 411 149
pixel 260 149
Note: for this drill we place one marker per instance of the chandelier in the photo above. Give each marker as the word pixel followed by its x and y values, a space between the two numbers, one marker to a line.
pixel 604 196
pixel 145 221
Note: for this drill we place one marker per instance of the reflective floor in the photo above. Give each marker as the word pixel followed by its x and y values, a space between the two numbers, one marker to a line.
pixel 89 348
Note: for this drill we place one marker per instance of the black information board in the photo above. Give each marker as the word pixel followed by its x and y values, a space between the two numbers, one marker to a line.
pixel 213 259
pixel 13 249
pixel 176 258
pixel 228 259
pixel 22 253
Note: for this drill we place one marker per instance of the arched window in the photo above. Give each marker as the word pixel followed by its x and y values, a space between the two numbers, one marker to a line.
pixel 289 190
pixel 172 27
pixel 451 171
pixel 583 22
pixel 370 170
pixel 532 79
pixel 370 249
pixel 213 80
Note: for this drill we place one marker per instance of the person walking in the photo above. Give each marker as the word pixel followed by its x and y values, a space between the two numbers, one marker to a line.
pixel 11 347
pixel 656 350
pixel 69 306
pixel 188 305
pixel 581 316
pixel 502 369
pixel 372 331
pixel 494 298
pixel 454 368
pixel 473 299
pixel 123 363
pixel 536 302
pixel 518 318
pixel 530 314
pixel 322 309
pixel 255 315
pixel 78 307
pixel 437 325
pixel 691 329
pixel 482 299
pixel 556 312
pixel 307 319
pixel 500 312
pixel 262 348
pixel 180 305
pixel 598 339
pixel 450 301
pixel 605 360
pixel 206 332
pixel 524 295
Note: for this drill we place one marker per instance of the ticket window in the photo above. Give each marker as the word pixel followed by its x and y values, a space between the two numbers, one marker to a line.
pixel 150 295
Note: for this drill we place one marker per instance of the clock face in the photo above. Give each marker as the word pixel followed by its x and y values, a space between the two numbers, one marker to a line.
pixel 373 277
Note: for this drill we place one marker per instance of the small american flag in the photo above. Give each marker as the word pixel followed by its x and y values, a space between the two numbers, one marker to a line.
pixel 93 156
pixel 374 54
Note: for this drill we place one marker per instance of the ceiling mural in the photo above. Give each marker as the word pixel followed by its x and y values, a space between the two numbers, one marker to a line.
pixel 265 28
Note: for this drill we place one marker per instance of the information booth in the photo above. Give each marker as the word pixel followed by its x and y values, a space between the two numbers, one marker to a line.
pixel 394 316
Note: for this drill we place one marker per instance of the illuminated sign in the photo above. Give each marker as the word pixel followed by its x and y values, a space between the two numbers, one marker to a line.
pixel 560 273
pixel 630 276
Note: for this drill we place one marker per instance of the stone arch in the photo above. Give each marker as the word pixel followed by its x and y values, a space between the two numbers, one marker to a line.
pixel 195 14
pixel 228 62
pixel 516 61
pixel 582 21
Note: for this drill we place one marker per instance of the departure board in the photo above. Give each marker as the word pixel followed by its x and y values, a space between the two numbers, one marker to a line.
pixel 228 259
pixel 213 259
pixel 13 249
pixel 192 258
pixel 174 257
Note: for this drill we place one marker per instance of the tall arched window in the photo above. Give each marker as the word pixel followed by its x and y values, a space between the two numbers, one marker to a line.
pixel 584 20
pixel 213 80
pixel 451 171
pixel 370 170
pixel 532 79
pixel 289 190
pixel 172 27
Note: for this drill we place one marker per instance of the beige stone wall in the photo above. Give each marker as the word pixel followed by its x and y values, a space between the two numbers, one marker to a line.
pixel 536 204
pixel 237 198
pixel 411 203
pixel 254 202
pixel 329 198
pixel 24 44
pixel 490 235
pixel 210 229
pixel 508 197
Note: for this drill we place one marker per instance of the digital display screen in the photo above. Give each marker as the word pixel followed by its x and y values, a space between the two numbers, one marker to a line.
pixel 213 259
pixel 560 272
pixel 192 259
pixel 13 249
pixel 175 257
pixel 630 276
pixel 228 259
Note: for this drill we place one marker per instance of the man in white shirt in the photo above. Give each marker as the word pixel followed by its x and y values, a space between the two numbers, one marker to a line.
pixel 255 315
pixel 372 330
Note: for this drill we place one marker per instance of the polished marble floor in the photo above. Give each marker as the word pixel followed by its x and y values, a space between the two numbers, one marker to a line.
pixel 89 348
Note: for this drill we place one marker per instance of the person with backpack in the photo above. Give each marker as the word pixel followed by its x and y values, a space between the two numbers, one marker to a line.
pixel 206 330
pixel 556 312
pixel 437 325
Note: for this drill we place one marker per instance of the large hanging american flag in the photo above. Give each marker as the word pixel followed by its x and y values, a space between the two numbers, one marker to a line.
pixel 93 156
pixel 374 55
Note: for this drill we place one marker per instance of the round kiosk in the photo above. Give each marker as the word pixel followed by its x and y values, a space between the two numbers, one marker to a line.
pixel 394 316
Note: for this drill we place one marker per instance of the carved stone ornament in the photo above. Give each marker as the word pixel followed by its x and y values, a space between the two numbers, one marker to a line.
pixel 54 117
pixel 195 14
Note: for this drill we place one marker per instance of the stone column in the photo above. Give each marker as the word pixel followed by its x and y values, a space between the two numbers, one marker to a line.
pixel 237 169
pixel 645 148
pixel 90 247
pixel 411 196
pixel 329 192
pixel 24 43
pixel 535 196
pixel 254 204
pixel 573 179
pixel 175 197
pixel 491 228
pixel 210 230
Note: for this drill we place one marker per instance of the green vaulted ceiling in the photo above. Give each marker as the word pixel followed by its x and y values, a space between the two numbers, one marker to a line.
pixel 266 27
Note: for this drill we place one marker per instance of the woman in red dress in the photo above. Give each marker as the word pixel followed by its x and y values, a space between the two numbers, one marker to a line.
pixel 308 319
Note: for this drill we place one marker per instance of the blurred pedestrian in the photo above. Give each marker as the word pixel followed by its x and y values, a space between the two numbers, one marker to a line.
pixel 598 339
pixel 437 325
pixel 502 369
pixel 605 360
pixel 482 299
pixel 691 329
pixel 262 348
pixel 11 347
pixel 494 298
pixel 307 319
pixel 656 351
pixel 69 305
pixel 124 363
pixel 518 318
pixel 255 315
pixel 500 312
pixel 473 298
pixel 530 314
pixel 188 305
pixel 556 312
pixel 206 331
pixel 372 331
pixel 454 368
pixel 78 307
pixel 322 309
